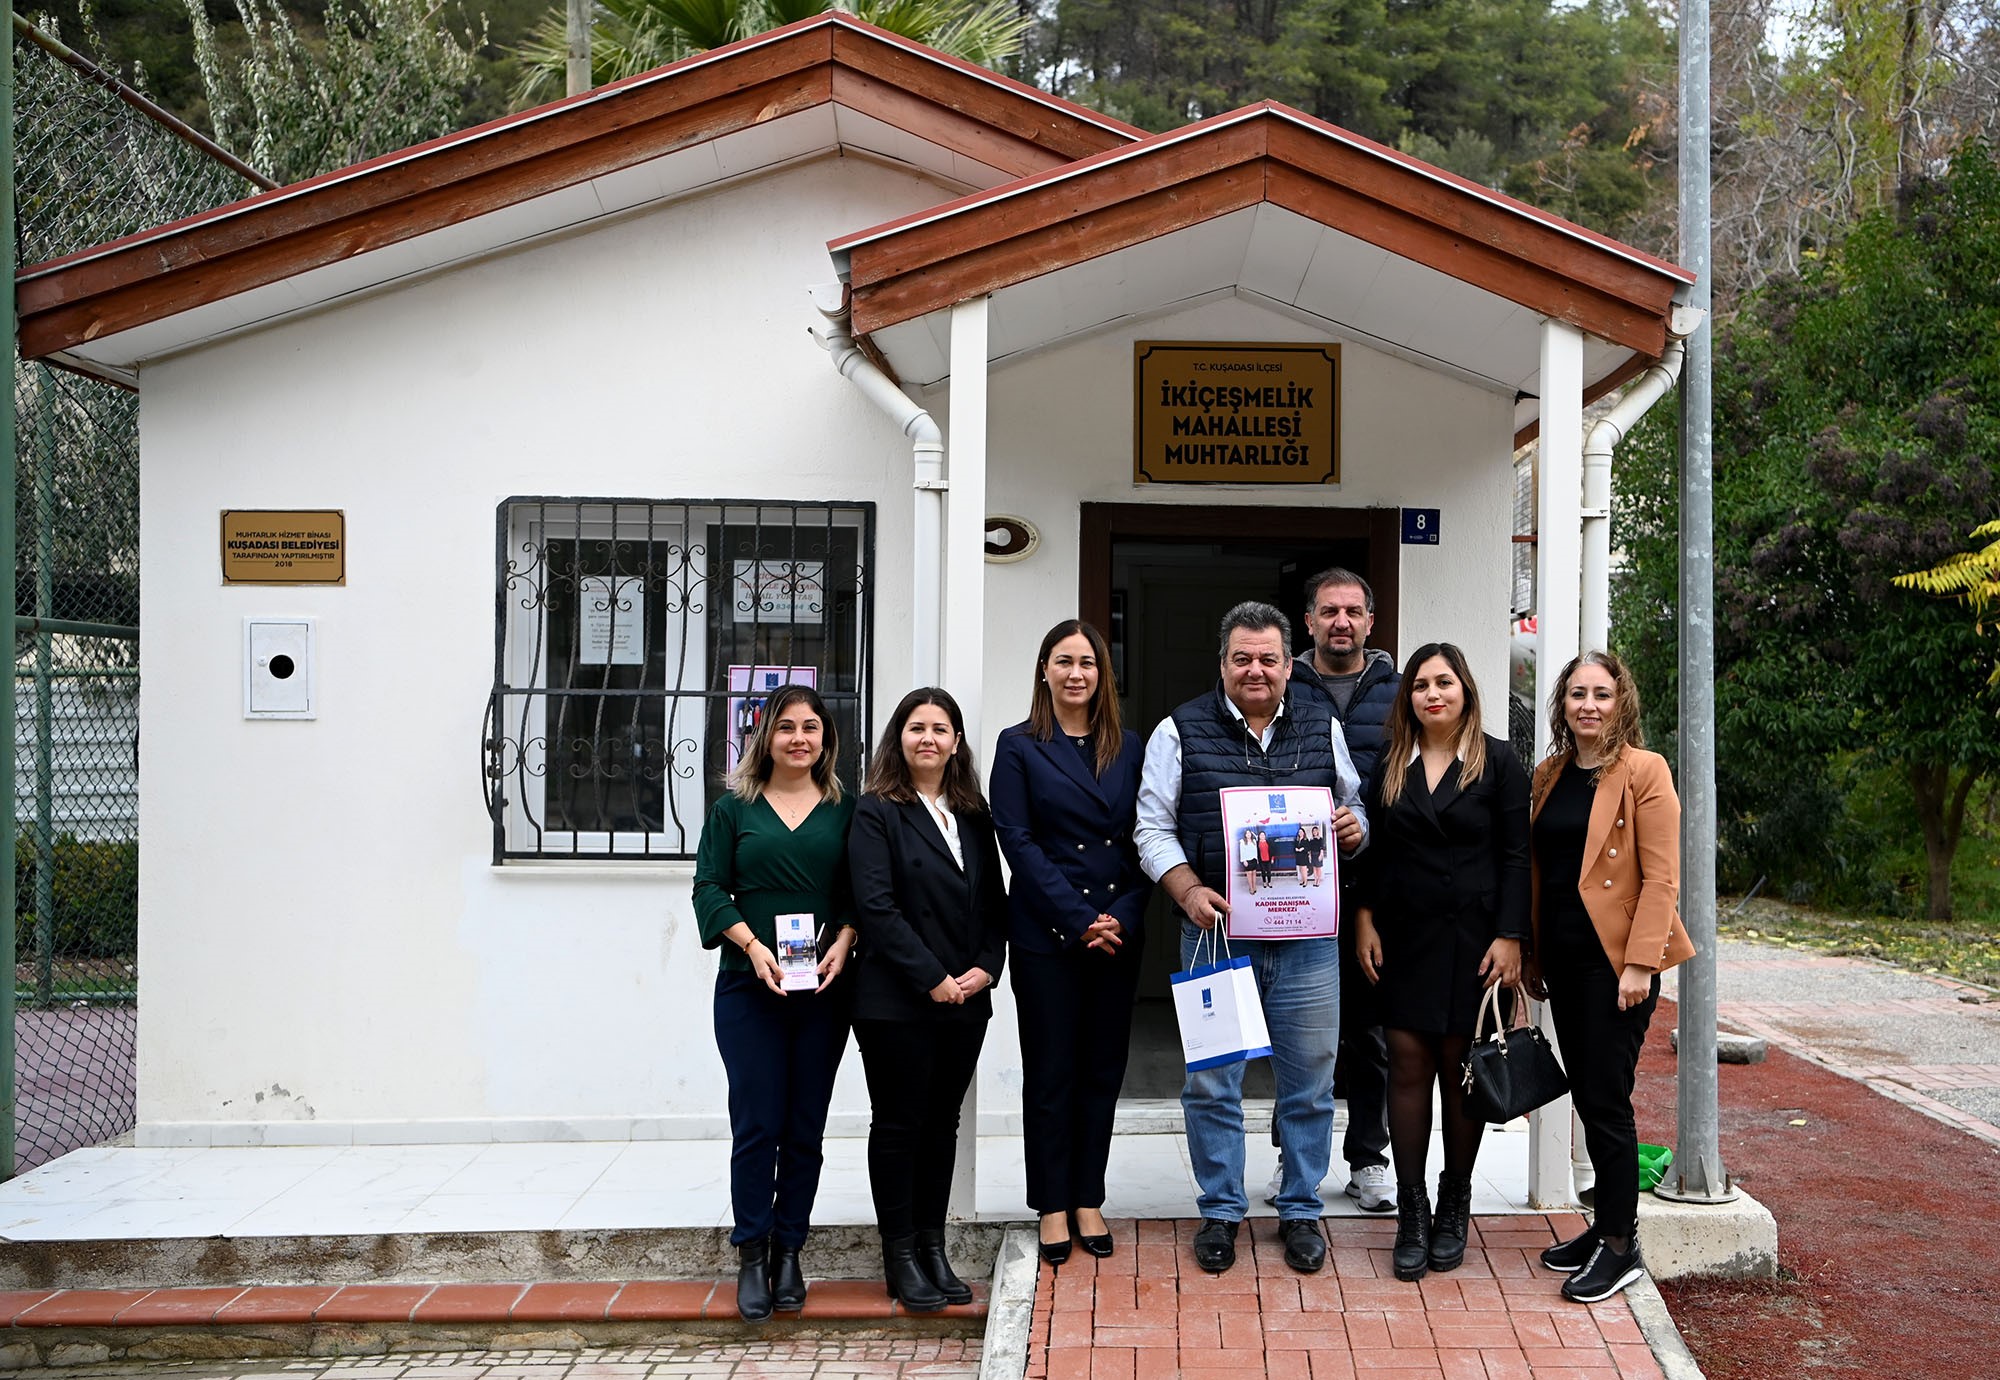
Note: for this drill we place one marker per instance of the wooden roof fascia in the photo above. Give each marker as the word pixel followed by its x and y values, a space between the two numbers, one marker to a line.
pixel 1030 115
pixel 1537 286
pixel 925 118
pixel 968 248
pixel 1530 238
pixel 134 287
pixel 1634 366
pixel 275 235
pixel 928 240
pixel 1042 249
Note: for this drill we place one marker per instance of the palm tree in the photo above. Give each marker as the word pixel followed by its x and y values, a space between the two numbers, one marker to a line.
pixel 634 36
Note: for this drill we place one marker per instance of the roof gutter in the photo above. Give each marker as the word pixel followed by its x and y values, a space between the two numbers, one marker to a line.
pixel 1598 443
pixel 835 334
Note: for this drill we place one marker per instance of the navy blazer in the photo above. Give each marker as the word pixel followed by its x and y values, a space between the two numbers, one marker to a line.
pixel 922 918
pixel 1067 834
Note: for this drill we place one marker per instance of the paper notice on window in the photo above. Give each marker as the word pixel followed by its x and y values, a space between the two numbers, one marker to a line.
pixel 611 619
pixel 779 592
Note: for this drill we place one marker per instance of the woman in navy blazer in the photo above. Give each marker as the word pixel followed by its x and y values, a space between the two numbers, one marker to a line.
pixel 932 910
pixel 1065 792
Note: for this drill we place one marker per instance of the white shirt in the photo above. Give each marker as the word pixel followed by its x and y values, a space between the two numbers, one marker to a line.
pixel 947 824
pixel 1158 833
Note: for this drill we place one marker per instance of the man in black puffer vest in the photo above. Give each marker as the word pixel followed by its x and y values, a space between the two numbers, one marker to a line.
pixel 1362 683
pixel 1248 731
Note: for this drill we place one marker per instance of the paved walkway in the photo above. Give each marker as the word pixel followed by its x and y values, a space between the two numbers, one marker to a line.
pixel 1929 1042
pixel 1147 1312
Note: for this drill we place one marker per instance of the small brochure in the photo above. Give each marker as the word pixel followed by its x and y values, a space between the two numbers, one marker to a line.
pixel 1284 874
pixel 798 952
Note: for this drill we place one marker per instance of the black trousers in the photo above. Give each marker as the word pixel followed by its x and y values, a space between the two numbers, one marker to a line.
pixel 918 1072
pixel 1600 1050
pixel 1075 1010
pixel 781 1054
pixel 1361 1075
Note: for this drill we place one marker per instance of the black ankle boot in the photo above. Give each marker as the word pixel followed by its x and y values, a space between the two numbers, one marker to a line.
pixel 788 1282
pixel 1452 1222
pixel 908 1284
pixel 937 1268
pixel 1412 1257
pixel 753 1281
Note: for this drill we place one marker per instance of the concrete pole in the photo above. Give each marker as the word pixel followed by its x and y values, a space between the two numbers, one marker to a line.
pixel 1558 623
pixel 965 616
pixel 1697 1174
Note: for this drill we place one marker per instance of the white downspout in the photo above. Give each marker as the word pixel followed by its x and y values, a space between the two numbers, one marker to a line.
pixel 835 333
pixel 1602 439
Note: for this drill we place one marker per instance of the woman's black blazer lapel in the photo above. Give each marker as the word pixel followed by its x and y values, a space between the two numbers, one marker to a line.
pixel 918 820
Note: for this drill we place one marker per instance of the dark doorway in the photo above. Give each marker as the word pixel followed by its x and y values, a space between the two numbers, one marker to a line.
pixel 1158 579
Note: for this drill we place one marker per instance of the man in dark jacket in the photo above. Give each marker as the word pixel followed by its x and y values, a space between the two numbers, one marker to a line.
pixel 1361 683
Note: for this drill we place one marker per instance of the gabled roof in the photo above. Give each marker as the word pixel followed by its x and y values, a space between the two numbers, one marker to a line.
pixel 661 133
pixel 1276 207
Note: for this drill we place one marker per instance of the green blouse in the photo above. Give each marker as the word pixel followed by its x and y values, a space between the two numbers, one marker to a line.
pixel 750 868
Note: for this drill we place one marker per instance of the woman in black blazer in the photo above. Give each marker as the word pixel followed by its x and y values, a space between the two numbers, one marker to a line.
pixel 1065 794
pixel 932 909
pixel 1445 898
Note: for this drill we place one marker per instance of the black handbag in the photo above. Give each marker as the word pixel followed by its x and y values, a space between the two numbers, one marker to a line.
pixel 1511 1071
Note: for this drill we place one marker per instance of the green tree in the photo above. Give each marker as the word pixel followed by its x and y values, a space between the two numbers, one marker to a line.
pixel 633 36
pixel 1972 577
pixel 385 75
pixel 1857 428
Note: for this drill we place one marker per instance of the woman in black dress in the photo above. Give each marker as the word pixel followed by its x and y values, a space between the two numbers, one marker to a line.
pixel 1445 908
pixel 932 908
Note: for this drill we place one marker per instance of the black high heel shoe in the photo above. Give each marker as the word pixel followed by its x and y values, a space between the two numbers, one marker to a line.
pixel 1054 1252
pixel 1099 1246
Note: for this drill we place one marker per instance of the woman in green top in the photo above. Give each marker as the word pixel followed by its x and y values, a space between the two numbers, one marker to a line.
pixel 776 846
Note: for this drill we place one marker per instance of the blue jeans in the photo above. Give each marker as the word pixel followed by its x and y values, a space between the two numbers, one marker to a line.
pixel 1298 981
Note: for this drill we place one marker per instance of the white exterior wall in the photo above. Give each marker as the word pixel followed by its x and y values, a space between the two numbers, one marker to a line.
pixel 323 937
pixel 322 934
pixel 1061 435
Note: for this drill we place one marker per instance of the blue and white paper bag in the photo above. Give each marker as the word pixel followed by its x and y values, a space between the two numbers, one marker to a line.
pixel 1220 1015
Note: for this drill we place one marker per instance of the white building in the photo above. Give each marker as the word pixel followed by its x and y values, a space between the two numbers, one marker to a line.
pixel 564 360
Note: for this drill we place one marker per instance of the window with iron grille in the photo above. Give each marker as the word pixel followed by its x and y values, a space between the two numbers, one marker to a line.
pixel 635 642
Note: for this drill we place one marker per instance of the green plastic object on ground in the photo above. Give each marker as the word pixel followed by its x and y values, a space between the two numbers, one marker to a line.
pixel 1653 1162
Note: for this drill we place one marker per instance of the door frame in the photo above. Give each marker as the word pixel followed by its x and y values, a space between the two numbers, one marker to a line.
pixel 1101 524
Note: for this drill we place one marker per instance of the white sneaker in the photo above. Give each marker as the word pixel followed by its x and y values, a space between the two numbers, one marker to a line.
pixel 1277 1184
pixel 1370 1188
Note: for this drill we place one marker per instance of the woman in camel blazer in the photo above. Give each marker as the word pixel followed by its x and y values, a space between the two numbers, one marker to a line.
pixel 1606 889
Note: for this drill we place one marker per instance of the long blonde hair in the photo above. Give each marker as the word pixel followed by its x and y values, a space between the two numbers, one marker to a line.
pixel 1405 732
pixel 747 781
pixel 1621 731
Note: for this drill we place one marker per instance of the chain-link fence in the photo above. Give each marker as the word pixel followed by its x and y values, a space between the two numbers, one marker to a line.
pixel 88 169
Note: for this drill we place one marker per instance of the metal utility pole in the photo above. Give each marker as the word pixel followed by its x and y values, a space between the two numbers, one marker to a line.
pixel 1696 1174
pixel 7 565
pixel 578 67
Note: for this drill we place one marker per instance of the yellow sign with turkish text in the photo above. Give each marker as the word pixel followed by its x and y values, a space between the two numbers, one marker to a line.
pixel 268 546
pixel 1221 412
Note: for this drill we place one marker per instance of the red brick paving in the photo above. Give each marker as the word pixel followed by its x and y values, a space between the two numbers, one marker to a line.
pixel 1148 1313
pixel 592 1301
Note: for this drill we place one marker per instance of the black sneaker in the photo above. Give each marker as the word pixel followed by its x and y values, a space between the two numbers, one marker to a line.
pixel 1305 1245
pixel 1571 1255
pixel 1607 1272
pixel 1215 1245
